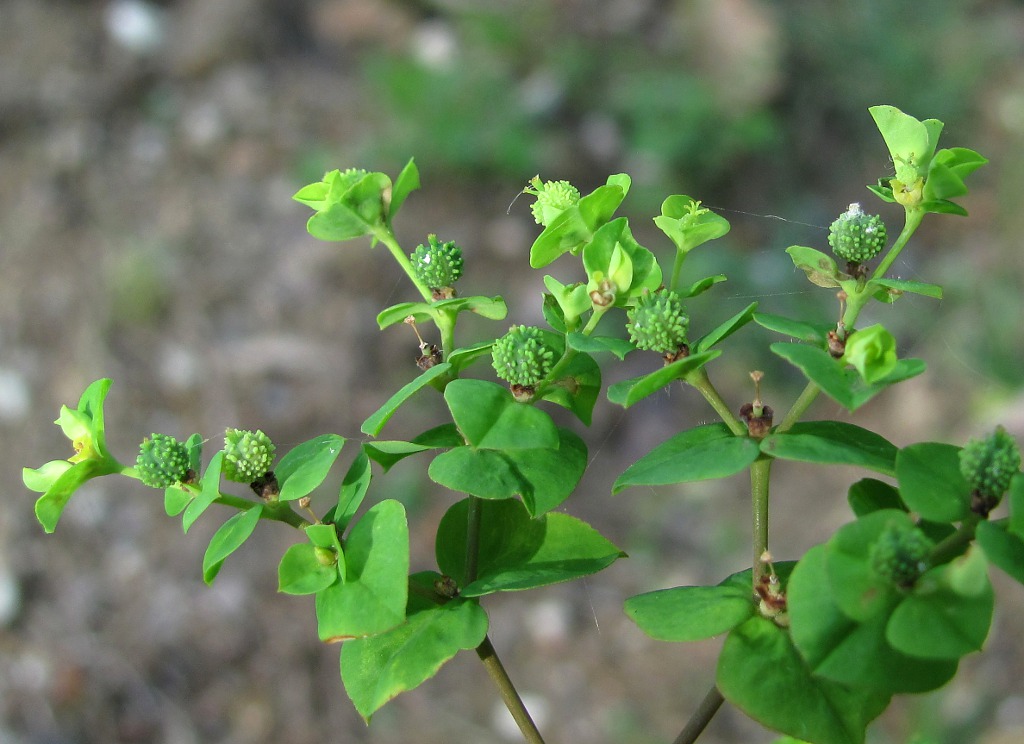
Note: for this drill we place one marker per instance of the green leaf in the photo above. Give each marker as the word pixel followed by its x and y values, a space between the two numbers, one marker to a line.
pixel 407 182
pixel 762 674
pixel 628 392
pixel 228 539
pixel 1015 498
pixel 598 344
pixel 911 142
pixel 176 498
pixel 615 255
pixel 517 552
pixel 806 332
pixel 832 443
pixel 701 286
pixel 869 495
pixel 1003 549
pixel 948 614
pixel 544 478
pixel 842 384
pixel 693 613
pixel 209 491
pixel 821 269
pixel 702 453
pixel 301 571
pixel 492 308
pixel 305 466
pixel 387 453
pixel 490 418
pixel 930 481
pixel 578 388
pixel 359 212
pixel 726 329
pixel 377 669
pixel 898 286
pixel 353 491
pixel 844 651
pixel 375 422
pixel 461 358
pixel 372 598
pixel 91 404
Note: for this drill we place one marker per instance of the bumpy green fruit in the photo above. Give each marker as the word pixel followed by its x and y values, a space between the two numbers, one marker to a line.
pixel 351 176
pixel 248 455
pixel 553 198
pixel 856 236
pixel 437 264
pixel 899 555
pixel 988 465
pixel 521 357
pixel 657 322
pixel 162 461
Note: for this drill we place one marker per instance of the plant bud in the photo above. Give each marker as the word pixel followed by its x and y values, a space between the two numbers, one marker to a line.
pixel 553 198
pixel 438 265
pixel 899 555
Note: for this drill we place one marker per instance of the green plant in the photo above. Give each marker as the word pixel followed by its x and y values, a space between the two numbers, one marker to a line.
pixel 815 649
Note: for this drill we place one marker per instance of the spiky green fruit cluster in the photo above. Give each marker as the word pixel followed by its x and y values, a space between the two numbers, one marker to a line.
pixel 351 176
pixel 162 461
pixel 856 236
pixel 553 198
pixel 657 322
pixel 438 265
pixel 988 465
pixel 900 553
pixel 521 357
pixel 248 455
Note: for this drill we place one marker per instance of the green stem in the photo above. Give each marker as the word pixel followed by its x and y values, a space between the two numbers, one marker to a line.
pixel 954 544
pixel 280 511
pixel 509 694
pixel 913 220
pixel 385 236
pixel 759 486
pixel 700 380
pixel 799 407
pixel 701 717
pixel 473 515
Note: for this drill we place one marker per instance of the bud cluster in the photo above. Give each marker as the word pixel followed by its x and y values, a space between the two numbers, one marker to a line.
pixel 899 555
pixel 553 198
pixel 438 265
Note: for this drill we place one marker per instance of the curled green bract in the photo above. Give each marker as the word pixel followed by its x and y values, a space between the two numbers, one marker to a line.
pixel 872 351
pixel 57 480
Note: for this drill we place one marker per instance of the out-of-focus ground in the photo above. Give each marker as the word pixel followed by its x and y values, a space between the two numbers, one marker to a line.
pixel 148 152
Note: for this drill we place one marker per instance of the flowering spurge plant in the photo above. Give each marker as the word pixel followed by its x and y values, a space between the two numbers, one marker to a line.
pixel 814 648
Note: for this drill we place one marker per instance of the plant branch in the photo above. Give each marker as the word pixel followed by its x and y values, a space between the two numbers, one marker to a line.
pixel 700 380
pixel 701 717
pixel 759 489
pixel 799 407
pixel 509 694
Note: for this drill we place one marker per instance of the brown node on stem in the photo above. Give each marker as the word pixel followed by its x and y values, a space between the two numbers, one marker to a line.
pixel 522 393
pixel 266 486
pixel 446 587
pixel 837 338
pixel 442 293
pixel 430 355
pixel 773 598
pixel 756 415
pixel 674 356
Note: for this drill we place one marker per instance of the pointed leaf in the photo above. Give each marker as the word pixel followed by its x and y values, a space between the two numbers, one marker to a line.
pixel 353 491
pixel 387 453
pixel 379 668
pixel 702 453
pixel 407 182
pixel 806 332
pixel 832 443
pixel 375 422
pixel 628 392
pixel 820 268
pixel 228 539
pixel 209 491
pixel 305 466
pixel 372 598
pixel 726 329
pixel 597 344
pixel 869 495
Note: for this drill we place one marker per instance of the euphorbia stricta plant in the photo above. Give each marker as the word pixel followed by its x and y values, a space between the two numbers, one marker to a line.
pixel 814 648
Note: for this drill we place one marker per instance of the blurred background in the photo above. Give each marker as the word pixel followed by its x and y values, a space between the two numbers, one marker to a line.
pixel 148 152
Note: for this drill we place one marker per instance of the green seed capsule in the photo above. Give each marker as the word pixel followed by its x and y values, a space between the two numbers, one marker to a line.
pixel 899 555
pixel 248 455
pixel 162 461
pixel 988 465
pixel 438 265
pixel 855 236
pixel 521 357
pixel 657 322
pixel 553 198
